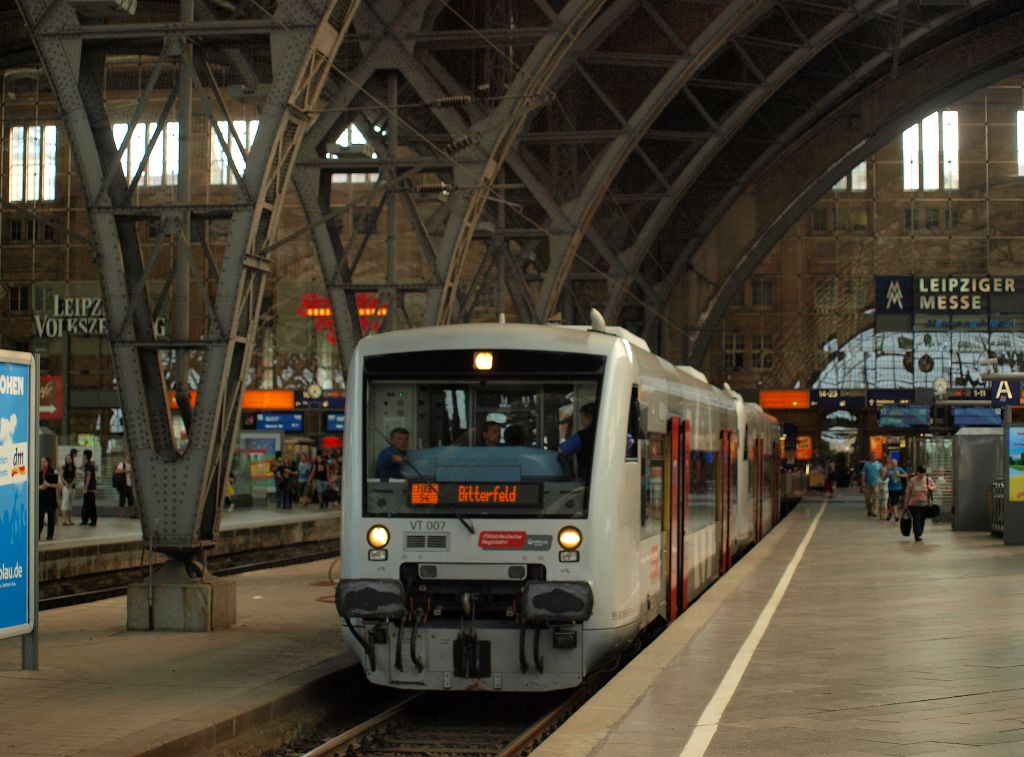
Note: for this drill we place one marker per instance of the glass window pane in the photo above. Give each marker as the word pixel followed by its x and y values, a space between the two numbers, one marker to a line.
pixel 33 159
pixel 171 153
pixel 49 162
pixel 911 147
pixel 1020 142
pixel 859 177
pixel 155 167
pixel 137 147
pixel 15 191
pixel 951 149
pixel 219 171
pixel 120 132
pixel 930 152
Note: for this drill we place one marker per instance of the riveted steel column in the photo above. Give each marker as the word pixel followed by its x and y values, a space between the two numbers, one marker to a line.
pixel 181 492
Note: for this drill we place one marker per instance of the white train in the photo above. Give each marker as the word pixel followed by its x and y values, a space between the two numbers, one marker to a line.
pixel 474 567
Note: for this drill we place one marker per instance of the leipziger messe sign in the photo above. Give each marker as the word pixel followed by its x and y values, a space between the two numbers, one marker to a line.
pixel 981 303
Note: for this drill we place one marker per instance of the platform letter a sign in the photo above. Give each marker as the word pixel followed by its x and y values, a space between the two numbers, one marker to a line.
pixel 1004 393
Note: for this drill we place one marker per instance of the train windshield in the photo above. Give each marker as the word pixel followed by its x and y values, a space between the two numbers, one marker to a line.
pixel 480 446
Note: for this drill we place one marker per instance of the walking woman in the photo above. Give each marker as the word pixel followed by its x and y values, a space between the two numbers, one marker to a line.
pixel 68 476
pixel 916 498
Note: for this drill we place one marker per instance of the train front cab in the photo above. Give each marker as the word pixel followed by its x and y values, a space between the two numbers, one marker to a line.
pixel 473 583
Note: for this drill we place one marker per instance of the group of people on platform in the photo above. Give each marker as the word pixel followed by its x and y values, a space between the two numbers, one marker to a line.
pixel 307 479
pixel 889 489
pixel 57 491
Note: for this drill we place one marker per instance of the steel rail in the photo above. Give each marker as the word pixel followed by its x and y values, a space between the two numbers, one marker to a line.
pixel 341 743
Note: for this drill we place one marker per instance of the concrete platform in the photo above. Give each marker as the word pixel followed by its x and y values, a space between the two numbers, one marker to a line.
pixel 879 645
pixel 101 690
pixel 115 543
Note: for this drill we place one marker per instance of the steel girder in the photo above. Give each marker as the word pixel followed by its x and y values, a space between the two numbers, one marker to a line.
pixel 181 493
pixel 727 129
pixel 824 105
pixel 826 45
pixel 387 33
pixel 496 136
pixel 733 19
pixel 866 122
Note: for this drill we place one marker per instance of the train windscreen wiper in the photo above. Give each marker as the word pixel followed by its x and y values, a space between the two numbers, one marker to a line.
pixel 450 510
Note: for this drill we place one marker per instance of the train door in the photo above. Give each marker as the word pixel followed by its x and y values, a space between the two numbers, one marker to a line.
pixel 728 469
pixel 679 486
pixel 757 470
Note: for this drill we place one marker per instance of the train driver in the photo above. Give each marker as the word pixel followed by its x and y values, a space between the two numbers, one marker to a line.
pixel 490 434
pixel 392 457
pixel 581 443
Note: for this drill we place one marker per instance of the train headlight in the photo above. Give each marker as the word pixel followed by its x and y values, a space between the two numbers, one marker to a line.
pixel 570 538
pixel 378 537
pixel 483 361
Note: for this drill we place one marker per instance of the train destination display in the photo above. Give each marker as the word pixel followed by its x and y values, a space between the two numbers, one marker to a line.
pixel 498 495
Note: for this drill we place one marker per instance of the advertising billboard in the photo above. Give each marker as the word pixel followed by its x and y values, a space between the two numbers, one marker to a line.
pixel 1015 457
pixel 18 423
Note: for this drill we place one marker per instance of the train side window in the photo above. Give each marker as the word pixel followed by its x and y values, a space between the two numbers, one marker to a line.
pixel 652 499
pixel 703 489
pixel 633 432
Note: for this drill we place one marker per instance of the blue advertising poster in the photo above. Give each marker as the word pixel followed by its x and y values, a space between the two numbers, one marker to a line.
pixel 17 498
pixel 1015 450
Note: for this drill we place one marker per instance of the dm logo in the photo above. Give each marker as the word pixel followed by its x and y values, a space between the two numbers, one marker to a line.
pixel 894 294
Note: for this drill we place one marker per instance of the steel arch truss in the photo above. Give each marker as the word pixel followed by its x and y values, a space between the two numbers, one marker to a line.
pixel 584 154
pixel 281 56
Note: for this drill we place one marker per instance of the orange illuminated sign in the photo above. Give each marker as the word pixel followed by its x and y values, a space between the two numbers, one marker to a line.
pixel 523 495
pixel 784 399
pixel 804 447
pixel 173 399
pixel 268 399
pixel 423 494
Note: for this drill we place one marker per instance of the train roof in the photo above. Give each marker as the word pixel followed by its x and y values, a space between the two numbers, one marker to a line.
pixel 498 336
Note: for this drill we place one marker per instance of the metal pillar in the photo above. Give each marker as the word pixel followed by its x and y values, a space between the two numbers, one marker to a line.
pixel 181 493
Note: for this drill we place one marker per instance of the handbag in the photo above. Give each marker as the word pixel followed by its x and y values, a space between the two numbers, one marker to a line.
pixel 930 511
pixel 906 523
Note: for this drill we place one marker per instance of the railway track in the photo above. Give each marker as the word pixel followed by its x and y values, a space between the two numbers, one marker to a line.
pixel 432 725
pixel 85 589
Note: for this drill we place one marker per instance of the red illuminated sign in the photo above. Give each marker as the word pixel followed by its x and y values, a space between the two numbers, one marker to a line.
pixel 502 539
pixel 368 307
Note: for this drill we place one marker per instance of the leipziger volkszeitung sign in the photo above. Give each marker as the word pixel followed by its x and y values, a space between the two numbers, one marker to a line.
pixel 80 316
pixel 901 302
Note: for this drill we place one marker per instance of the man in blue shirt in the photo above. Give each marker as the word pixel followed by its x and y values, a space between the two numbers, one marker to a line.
pixel 581 443
pixel 895 477
pixel 391 458
pixel 871 486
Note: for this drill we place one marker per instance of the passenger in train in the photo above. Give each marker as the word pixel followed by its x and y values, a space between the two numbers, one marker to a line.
pixel 490 434
pixel 871 485
pixel 581 443
pixel 515 436
pixel 392 457
pixel 895 478
pixel 918 489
